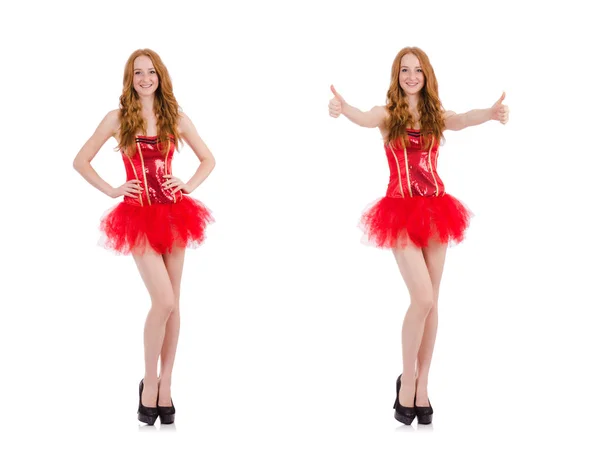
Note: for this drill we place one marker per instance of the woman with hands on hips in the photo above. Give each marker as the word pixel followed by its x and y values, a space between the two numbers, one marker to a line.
pixel 156 220
pixel 416 219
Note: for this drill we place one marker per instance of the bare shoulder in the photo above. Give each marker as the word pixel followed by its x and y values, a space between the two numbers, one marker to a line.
pixel 109 126
pixel 185 123
pixel 113 117
pixel 448 114
pixel 380 111
pixel 111 123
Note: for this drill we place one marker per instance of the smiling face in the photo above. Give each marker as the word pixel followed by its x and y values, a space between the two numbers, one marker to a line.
pixel 145 78
pixel 411 77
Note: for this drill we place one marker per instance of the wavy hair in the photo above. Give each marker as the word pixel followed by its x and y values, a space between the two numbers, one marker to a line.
pixel 430 107
pixel 166 108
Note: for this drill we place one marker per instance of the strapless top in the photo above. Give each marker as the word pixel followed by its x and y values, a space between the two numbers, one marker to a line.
pixel 149 165
pixel 413 169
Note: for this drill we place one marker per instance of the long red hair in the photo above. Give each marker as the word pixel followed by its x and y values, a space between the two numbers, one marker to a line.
pixel 430 107
pixel 166 108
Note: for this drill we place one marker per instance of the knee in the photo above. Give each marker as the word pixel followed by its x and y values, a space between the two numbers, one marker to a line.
pixel 165 303
pixel 424 302
pixel 175 308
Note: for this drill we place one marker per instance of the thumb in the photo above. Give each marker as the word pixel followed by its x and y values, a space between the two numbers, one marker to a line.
pixel 501 99
pixel 336 94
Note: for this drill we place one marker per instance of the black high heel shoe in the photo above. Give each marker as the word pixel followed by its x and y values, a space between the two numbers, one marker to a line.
pixel 167 414
pixel 402 414
pixel 146 414
pixel 424 413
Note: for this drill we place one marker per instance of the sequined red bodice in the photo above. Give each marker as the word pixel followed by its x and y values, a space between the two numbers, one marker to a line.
pixel 149 165
pixel 413 169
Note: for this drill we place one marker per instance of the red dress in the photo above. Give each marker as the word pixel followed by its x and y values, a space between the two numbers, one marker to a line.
pixel 158 218
pixel 416 206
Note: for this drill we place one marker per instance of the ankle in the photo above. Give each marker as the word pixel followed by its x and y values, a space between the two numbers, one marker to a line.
pixel 150 383
pixel 409 380
pixel 164 381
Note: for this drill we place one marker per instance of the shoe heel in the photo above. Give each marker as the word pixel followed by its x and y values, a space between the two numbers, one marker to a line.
pixel 145 414
pixel 401 413
pixel 396 402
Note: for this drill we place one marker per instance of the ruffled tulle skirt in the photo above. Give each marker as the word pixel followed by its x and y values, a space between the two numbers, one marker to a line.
pixel 394 222
pixel 129 228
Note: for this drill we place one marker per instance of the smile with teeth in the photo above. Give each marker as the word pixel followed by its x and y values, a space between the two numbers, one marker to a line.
pixel 145 86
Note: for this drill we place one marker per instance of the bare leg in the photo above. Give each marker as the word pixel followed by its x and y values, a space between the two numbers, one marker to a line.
pixel 435 256
pixel 174 263
pixel 413 268
pixel 154 273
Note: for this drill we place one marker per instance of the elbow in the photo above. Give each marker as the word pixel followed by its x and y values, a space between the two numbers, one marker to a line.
pixel 207 163
pixel 211 163
pixel 79 165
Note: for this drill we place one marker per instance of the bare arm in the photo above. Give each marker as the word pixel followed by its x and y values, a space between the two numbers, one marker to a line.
pixel 456 122
pixel 207 160
pixel 82 162
pixel 371 119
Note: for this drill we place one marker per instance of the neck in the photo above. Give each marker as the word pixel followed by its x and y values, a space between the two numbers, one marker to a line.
pixel 147 103
pixel 413 101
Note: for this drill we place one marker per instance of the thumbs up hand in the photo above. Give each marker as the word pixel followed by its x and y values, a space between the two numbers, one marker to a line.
pixel 336 103
pixel 500 111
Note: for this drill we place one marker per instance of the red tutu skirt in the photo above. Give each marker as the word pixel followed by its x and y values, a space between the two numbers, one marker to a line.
pixel 129 228
pixel 393 222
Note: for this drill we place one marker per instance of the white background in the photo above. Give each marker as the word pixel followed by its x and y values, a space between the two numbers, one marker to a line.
pixel 290 338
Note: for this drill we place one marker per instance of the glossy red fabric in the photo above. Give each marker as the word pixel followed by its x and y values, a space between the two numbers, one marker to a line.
pixel 150 165
pixel 159 218
pixel 416 207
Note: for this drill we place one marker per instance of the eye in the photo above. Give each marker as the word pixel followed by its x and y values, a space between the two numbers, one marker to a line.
pixel 404 70
pixel 420 70
pixel 153 72
pixel 137 73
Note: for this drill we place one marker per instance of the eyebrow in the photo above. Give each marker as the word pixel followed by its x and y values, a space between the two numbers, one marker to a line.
pixel 140 69
pixel 404 66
